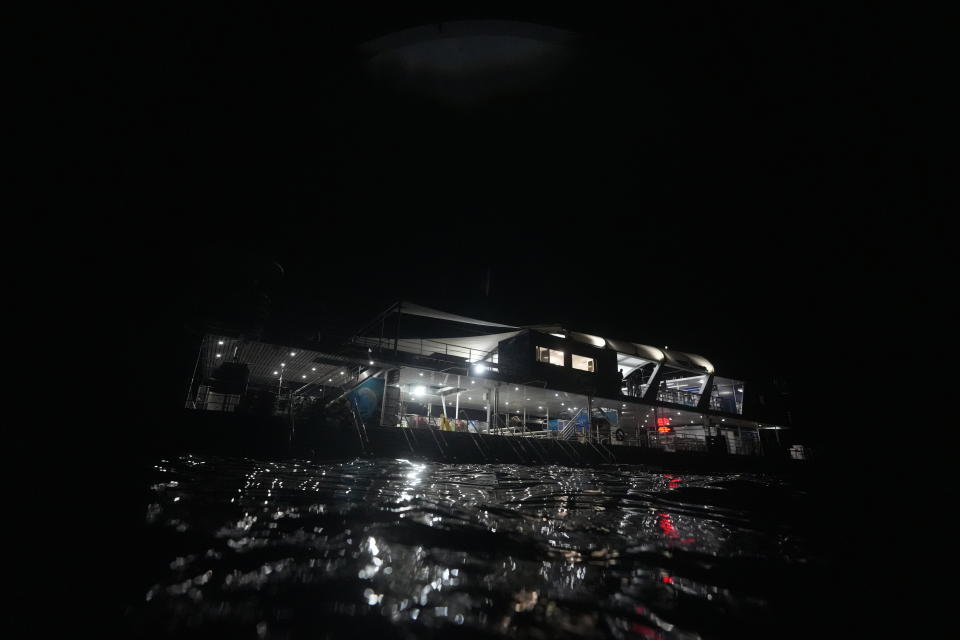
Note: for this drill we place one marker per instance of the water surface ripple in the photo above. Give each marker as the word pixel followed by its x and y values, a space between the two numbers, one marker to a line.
pixel 396 548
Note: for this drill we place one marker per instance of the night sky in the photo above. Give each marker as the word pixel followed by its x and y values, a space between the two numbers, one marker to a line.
pixel 725 182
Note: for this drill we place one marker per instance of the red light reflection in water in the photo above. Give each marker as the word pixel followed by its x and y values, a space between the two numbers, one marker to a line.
pixel 667 579
pixel 666 526
pixel 645 631
pixel 670 531
pixel 674 481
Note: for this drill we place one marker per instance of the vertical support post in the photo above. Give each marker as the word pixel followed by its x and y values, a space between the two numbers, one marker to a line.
pixel 590 435
pixel 496 404
pixel 457 410
pixel 489 403
pixel 636 424
pixel 193 378
pixel 396 339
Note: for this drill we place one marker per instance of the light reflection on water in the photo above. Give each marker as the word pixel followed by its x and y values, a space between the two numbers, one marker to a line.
pixel 408 549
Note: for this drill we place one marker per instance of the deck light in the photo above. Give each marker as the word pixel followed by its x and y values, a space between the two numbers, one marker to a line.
pixel 341 373
pixel 282 364
pixel 516 388
pixel 479 368
pixel 556 395
pixel 303 376
pixel 371 362
pixel 329 379
pixel 471 398
pixel 419 390
pixel 293 353
pixel 473 382
pixel 539 407
pixel 313 368
pixel 421 373
pixel 219 355
pixel 276 373
pixel 508 403
pixel 220 342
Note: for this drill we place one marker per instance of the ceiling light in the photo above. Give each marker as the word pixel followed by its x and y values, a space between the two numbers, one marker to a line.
pixel 303 376
pixel 219 355
pixel 282 364
pixel 313 368
pixel 293 353
pixel 276 373
pixel 220 342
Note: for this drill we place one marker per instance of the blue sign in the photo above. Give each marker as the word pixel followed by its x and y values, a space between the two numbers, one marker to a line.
pixel 366 398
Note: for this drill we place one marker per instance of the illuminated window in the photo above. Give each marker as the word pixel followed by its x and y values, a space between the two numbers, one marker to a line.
pixel 583 363
pixel 550 356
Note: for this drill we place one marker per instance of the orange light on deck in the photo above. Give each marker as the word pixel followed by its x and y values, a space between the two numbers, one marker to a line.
pixel 663 429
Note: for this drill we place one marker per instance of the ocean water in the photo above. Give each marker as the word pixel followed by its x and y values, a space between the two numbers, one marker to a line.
pixel 388 548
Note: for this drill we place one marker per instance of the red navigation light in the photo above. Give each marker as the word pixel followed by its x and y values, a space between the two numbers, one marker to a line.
pixel 663 422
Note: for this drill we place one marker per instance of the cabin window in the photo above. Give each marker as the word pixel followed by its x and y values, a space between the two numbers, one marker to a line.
pixel 550 356
pixel 583 363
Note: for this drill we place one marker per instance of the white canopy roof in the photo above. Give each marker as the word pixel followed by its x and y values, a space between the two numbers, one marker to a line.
pixel 486 343
pixel 412 309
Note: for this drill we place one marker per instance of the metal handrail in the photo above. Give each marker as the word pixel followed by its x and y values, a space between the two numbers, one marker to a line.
pixel 572 422
pixel 416 346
